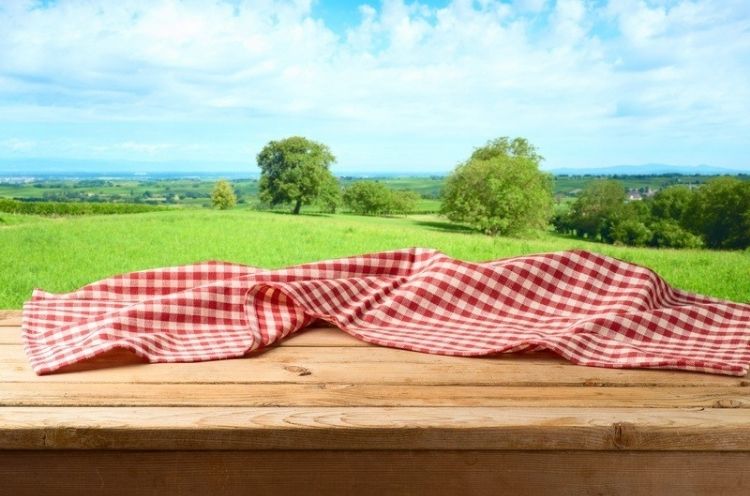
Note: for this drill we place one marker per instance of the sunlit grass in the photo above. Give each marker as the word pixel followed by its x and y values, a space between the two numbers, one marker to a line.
pixel 60 254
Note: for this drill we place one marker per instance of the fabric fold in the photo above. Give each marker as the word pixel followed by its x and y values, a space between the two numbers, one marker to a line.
pixel 588 308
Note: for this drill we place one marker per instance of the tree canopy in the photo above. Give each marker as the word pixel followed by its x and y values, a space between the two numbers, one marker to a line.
pixel 720 212
pixel 601 212
pixel 671 203
pixel 329 197
pixel 374 198
pixel 505 147
pixel 500 189
pixel 223 196
pixel 294 170
pixel 367 197
pixel 598 209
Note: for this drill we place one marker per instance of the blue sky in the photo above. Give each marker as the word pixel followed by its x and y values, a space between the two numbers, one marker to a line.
pixel 390 86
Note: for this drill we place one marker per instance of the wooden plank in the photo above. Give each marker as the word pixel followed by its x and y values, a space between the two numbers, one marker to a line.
pixel 312 336
pixel 323 336
pixel 464 428
pixel 98 394
pixel 373 473
pixel 10 318
pixel 10 335
pixel 355 365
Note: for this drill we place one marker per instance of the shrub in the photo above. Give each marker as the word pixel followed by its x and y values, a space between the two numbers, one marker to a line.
pixel 223 196
pixel 404 202
pixel 669 234
pixel 598 209
pixel 631 232
pixel 719 211
pixel 671 203
pixel 329 197
pixel 500 189
pixel 54 208
pixel 368 197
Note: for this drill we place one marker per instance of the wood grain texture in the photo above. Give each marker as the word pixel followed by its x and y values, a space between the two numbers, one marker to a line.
pixel 311 336
pixel 367 473
pixel 357 365
pixel 10 318
pixel 286 394
pixel 324 390
pixel 492 428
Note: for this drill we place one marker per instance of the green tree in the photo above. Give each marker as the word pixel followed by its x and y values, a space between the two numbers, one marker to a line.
pixel 505 147
pixel 598 209
pixel 500 189
pixel 671 203
pixel 719 211
pixel 223 196
pixel 669 234
pixel 368 197
pixel 403 201
pixel 293 170
pixel 329 197
pixel 631 232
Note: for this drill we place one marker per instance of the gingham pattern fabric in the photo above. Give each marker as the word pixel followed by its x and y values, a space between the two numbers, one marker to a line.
pixel 591 309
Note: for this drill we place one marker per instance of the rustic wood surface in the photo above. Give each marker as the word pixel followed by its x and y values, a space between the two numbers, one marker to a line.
pixel 376 473
pixel 325 407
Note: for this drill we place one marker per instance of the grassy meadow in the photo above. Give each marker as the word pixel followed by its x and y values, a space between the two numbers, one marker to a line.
pixel 62 253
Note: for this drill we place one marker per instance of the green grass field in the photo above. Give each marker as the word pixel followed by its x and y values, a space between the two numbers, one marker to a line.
pixel 196 192
pixel 63 253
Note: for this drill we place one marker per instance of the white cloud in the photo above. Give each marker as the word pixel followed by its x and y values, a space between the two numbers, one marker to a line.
pixel 568 21
pixel 466 72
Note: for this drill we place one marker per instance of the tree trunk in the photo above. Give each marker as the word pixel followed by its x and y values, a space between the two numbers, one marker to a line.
pixel 297 206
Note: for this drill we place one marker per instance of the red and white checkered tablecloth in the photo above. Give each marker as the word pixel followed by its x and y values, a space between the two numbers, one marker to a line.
pixel 591 309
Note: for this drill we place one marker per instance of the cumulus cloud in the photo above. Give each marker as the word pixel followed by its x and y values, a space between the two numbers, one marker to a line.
pixel 573 75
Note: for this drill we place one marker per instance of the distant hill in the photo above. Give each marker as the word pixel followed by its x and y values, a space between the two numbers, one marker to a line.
pixel 647 169
pixel 42 167
pixel 80 168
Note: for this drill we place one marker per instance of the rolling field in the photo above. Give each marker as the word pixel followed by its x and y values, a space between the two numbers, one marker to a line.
pixel 60 254
pixel 196 192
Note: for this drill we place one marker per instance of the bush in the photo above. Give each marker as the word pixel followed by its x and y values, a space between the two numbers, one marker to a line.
pixel 716 215
pixel 53 208
pixel 631 232
pixel 562 223
pixel 368 197
pixel 671 203
pixel 329 197
pixel 500 189
pixel 404 202
pixel 669 234
pixel 223 196
pixel 719 211
pixel 374 198
pixel 598 210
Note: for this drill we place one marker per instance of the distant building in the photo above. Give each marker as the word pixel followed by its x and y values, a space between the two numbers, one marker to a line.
pixel 634 195
pixel 638 194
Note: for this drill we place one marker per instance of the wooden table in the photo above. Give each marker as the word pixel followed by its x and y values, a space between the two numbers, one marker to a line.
pixel 325 413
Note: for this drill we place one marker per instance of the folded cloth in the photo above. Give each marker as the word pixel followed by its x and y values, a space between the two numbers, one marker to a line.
pixel 591 309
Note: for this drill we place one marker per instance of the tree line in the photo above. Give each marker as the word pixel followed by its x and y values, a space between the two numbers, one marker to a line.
pixel 296 171
pixel 501 190
pixel 715 215
pixel 65 209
